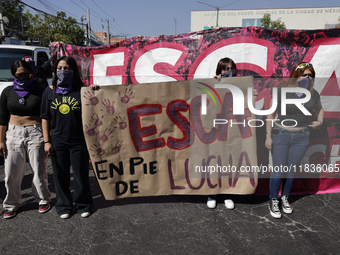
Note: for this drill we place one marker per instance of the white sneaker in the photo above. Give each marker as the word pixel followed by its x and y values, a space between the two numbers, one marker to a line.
pixel 211 203
pixel 285 205
pixel 85 214
pixel 65 216
pixel 229 204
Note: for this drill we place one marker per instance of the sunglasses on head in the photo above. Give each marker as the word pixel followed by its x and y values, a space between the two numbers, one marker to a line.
pixel 22 76
pixel 304 65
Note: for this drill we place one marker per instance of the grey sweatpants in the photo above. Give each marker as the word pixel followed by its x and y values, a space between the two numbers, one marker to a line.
pixel 22 142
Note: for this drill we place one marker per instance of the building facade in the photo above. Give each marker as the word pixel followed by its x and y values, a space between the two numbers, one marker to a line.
pixel 293 18
pixel 102 36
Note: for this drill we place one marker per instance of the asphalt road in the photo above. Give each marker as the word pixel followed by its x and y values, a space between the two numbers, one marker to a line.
pixel 173 225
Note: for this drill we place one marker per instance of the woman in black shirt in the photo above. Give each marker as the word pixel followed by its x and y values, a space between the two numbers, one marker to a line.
pixel 289 138
pixel 64 139
pixel 226 67
pixel 20 116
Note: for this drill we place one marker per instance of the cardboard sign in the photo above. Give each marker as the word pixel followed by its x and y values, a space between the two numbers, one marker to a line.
pixel 151 139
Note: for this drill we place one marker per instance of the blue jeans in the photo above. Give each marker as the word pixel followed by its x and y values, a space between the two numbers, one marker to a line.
pixel 287 151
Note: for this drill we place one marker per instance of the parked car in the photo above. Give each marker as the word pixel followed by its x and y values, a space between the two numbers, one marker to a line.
pixel 9 53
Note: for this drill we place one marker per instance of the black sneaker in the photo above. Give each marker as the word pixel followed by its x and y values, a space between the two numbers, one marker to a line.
pixel 285 205
pixel 274 208
pixel 9 214
pixel 44 208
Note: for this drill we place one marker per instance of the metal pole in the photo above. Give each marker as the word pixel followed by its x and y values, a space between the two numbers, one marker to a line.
pixel 88 28
pixel 108 30
pixel 22 25
pixel 82 18
pixel 175 25
pixel 2 30
pixel 218 9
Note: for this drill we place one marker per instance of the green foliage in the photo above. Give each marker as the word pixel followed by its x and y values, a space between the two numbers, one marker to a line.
pixel 12 9
pixel 266 22
pixel 59 28
pixel 41 26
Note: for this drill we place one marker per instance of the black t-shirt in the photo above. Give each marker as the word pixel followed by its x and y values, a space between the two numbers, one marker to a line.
pixel 9 103
pixel 64 111
pixel 293 112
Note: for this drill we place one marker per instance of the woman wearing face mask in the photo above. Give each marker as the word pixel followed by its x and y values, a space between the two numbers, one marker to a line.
pixel 20 116
pixel 226 67
pixel 64 139
pixel 290 141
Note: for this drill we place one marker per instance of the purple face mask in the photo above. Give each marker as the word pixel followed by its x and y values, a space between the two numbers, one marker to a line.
pixel 24 86
pixel 305 83
pixel 65 81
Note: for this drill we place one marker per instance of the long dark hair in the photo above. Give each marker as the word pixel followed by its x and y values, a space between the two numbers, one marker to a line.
pixel 20 63
pixel 223 63
pixel 73 65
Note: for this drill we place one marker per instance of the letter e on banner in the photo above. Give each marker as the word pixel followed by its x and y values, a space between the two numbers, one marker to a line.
pixel 108 66
pixel 138 132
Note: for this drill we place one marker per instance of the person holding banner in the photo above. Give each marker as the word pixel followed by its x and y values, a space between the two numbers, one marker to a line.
pixel 64 139
pixel 288 143
pixel 226 67
pixel 20 116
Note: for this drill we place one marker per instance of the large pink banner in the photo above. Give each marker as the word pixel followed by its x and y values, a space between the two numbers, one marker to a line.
pixel 257 52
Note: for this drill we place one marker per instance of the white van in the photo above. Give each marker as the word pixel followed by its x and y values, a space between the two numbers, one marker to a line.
pixel 9 53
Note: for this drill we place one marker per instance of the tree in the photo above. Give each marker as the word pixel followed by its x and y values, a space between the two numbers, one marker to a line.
pixel 13 10
pixel 266 22
pixel 56 28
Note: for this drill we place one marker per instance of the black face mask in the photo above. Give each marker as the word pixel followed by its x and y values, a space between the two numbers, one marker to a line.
pixel 230 73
